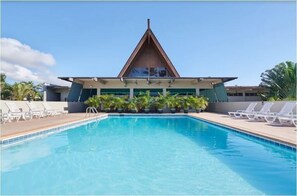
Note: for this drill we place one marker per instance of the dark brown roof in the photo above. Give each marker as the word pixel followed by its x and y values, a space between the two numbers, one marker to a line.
pixel 150 38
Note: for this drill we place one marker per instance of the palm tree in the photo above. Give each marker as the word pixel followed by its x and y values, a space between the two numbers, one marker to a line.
pixel 25 90
pixel 280 81
pixel 6 90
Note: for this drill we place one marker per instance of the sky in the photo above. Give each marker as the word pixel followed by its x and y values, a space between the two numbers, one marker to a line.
pixel 43 40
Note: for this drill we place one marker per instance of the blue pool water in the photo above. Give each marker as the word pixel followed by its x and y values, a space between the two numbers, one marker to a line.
pixel 145 155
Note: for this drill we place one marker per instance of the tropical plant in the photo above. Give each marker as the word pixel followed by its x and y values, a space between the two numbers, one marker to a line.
pixel 185 103
pixel 194 103
pixel 26 91
pixel 172 101
pixel 93 101
pixel 198 103
pixel 107 102
pixel 144 100
pixel 6 89
pixel 203 102
pixel 160 102
pixel 280 81
pixel 132 105
pixel 120 103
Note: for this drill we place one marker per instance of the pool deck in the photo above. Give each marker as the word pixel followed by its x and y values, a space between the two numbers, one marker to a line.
pixel 14 129
pixel 284 134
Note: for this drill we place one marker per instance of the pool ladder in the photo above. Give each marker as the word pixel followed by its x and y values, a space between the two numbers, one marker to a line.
pixel 91 110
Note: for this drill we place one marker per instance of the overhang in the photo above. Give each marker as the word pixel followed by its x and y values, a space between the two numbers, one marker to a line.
pixel 214 80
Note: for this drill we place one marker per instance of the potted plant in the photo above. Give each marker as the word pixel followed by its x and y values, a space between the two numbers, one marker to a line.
pixel 195 103
pixel 144 101
pixel 204 103
pixel 172 102
pixel 120 104
pixel 132 106
pixel 93 102
pixel 185 104
pixel 160 102
pixel 107 101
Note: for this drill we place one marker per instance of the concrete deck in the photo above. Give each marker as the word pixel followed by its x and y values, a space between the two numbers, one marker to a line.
pixel 284 134
pixel 280 133
pixel 22 127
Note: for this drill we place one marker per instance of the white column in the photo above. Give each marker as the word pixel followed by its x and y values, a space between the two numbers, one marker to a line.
pixel 44 95
pixel 131 93
pixel 98 91
pixel 197 91
pixel 164 91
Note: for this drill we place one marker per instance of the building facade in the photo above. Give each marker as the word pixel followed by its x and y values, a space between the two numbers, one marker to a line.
pixel 52 92
pixel 148 68
pixel 245 93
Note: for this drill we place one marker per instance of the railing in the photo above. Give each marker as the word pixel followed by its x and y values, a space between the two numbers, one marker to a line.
pixel 91 110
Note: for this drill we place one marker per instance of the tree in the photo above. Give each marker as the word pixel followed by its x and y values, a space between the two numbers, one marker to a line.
pixel 280 81
pixel 6 90
pixel 26 90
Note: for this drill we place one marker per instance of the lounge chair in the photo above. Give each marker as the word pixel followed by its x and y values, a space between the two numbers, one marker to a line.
pixel 34 110
pixel 288 120
pixel 238 113
pixel 286 111
pixel 259 115
pixel 52 112
pixel 294 121
pixel 15 113
pixel 4 117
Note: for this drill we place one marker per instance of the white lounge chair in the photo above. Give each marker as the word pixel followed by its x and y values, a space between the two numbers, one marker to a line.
pixel 34 110
pixel 286 111
pixel 238 113
pixel 52 112
pixel 15 113
pixel 4 117
pixel 288 120
pixel 259 115
pixel 294 120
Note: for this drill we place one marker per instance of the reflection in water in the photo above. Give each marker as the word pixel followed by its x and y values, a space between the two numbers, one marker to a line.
pixel 256 161
pixel 27 152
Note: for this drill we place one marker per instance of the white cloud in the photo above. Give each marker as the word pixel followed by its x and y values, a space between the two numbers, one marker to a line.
pixel 15 52
pixel 18 73
pixel 22 63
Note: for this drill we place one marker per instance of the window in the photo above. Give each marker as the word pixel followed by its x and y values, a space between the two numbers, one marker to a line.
pixel 251 94
pixel 153 72
pixel 181 91
pixel 115 91
pixel 234 94
pixel 153 92
pixel 139 72
pixel 86 93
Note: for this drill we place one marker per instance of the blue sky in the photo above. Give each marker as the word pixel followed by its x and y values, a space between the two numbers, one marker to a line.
pixel 240 39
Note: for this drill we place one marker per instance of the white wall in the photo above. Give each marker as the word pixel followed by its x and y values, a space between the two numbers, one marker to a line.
pixel 225 107
pixel 60 105
pixel 243 98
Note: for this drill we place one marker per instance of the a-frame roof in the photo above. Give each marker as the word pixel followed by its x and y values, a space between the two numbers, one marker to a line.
pixel 149 38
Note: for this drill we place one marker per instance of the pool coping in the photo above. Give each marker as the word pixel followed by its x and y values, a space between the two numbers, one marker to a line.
pixel 62 127
pixel 22 137
pixel 275 141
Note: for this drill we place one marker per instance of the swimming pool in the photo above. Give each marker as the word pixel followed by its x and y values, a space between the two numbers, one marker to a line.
pixel 148 155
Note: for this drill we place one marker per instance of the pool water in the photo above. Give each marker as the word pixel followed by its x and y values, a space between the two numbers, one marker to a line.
pixel 148 155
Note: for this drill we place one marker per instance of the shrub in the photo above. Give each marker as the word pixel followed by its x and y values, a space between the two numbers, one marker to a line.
pixel 93 101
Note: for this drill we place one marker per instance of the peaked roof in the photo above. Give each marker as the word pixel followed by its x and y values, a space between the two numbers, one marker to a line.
pixel 149 38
